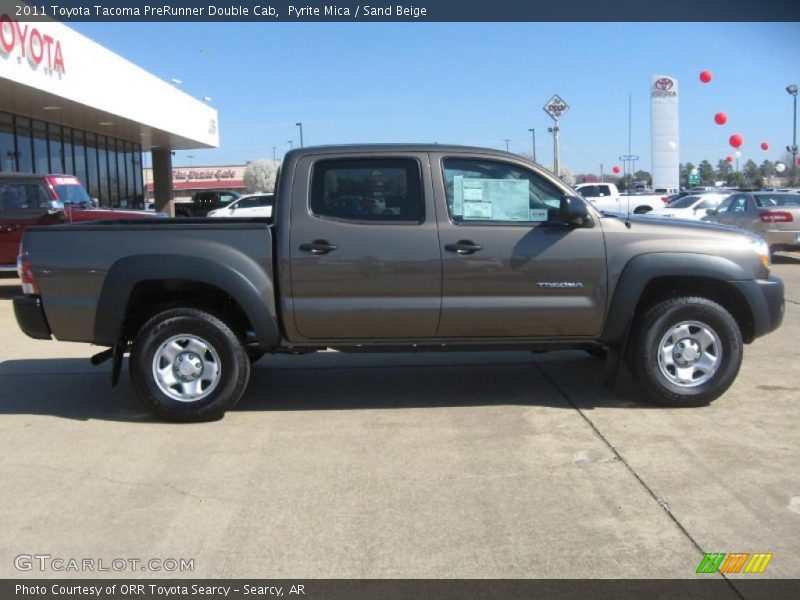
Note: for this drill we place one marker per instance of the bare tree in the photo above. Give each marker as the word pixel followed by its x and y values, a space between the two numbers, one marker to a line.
pixel 259 175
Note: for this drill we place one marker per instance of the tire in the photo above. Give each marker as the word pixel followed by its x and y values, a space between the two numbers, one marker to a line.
pixel 209 365
pixel 698 372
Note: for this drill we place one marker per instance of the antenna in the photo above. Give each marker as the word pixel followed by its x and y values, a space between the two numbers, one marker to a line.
pixel 630 180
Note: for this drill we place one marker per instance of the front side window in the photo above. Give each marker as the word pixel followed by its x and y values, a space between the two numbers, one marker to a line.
pixel 367 189
pixel 490 191
pixel 24 197
pixel 738 204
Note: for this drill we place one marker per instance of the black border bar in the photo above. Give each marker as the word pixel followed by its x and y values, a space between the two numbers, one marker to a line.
pixel 356 11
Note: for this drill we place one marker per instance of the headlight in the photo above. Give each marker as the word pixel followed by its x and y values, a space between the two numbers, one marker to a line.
pixel 761 248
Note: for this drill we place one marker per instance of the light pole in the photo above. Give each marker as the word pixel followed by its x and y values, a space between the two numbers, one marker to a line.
pixel 601 173
pixel 291 144
pixel 506 141
pixel 792 90
pixel 533 143
pixel 274 155
pixel 300 125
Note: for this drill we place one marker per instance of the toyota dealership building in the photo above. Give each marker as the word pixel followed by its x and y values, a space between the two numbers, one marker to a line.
pixel 69 105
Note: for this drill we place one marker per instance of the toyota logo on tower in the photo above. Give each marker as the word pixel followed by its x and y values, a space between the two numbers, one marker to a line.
pixel 662 88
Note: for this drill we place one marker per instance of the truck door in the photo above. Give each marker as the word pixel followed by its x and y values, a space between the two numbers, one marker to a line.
pixel 510 269
pixel 364 253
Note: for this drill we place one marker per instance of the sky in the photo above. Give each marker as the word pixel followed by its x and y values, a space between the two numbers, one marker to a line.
pixel 473 83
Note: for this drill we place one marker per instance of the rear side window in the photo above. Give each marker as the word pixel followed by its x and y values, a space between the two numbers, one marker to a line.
pixel 367 189
pixel 23 196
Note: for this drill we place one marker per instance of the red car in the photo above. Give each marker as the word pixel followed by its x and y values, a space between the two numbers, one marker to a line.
pixel 27 200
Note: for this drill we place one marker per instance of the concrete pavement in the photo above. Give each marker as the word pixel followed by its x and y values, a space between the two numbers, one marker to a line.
pixel 457 465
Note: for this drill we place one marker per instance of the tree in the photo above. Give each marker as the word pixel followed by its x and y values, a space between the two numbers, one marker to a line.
pixel 259 175
pixel 706 172
pixel 724 169
pixel 752 174
pixel 643 177
pixel 767 168
pixel 684 171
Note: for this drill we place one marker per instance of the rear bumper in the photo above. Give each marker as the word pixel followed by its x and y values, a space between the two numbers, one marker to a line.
pixel 765 299
pixel 30 317
pixel 785 239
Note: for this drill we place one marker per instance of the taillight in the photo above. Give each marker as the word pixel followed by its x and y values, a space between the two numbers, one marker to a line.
pixel 25 272
pixel 665 199
pixel 776 216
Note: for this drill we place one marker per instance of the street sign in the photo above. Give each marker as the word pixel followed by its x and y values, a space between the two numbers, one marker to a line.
pixel 694 178
pixel 555 107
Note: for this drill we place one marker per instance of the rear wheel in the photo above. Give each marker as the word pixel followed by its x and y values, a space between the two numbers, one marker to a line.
pixel 687 351
pixel 188 365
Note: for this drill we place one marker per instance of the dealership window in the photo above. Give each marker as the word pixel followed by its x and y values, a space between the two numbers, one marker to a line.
pixel 123 174
pixel 56 148
pixel 80 156
pixel 69 159
pixel 102 156
pixel 377 190
pixel 23 143
pixel 91 165
pixel 129 174
pixel 8 155
pixel 137 176
pixel 113 174
pixel 41 157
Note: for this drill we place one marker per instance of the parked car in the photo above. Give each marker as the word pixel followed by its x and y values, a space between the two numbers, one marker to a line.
pixel 251 206
pixel 28 199
pixel 689 207
pixel 202 202
pixel 480 249
pixel 774 216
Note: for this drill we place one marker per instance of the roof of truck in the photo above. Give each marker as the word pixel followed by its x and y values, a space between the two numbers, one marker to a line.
pixel 399 148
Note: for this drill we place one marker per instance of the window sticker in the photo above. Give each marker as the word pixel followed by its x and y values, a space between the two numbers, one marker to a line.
pixel 493 200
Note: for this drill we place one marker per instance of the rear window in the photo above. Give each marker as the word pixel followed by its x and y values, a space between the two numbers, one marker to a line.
pixel 767 200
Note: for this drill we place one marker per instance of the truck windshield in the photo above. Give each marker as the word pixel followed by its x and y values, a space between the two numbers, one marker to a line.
pixel 72 195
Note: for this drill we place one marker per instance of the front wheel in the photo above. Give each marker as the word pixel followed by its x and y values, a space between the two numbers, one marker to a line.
pixel 188 365
pixel 687 352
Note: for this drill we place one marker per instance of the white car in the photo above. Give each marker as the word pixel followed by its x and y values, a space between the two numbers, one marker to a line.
pixel 252 206
pixel 689 207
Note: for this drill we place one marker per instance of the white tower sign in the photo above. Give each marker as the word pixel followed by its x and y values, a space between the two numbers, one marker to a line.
pixel 664 131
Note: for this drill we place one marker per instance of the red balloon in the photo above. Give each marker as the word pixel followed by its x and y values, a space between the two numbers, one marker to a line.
pixel 705 76
pixel 764 146
pixel 798 161
pixel 729 159
pixel 720 118
pixel 736 140
pixel 616 169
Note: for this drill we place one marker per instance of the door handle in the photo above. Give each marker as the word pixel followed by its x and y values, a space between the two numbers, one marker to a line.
pixel 463 247
pixel 318 247
pixel 9 228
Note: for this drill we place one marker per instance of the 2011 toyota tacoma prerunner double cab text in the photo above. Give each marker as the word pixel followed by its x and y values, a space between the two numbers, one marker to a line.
pixel 393 248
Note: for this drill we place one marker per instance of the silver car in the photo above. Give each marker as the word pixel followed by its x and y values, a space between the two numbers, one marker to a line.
pixel 775 216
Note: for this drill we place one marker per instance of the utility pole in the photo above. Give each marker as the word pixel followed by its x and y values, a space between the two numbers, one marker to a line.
pixel 533 143
pixel 291 144
pixel 792 90
pixel 274 153
pixel 601 173
pixel 300 125
pixel 506 141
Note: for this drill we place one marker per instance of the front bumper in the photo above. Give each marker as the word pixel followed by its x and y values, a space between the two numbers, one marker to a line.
pixel 765 299
pixel 30 317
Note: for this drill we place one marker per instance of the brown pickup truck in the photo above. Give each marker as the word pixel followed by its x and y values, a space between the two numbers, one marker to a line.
pixel 401 247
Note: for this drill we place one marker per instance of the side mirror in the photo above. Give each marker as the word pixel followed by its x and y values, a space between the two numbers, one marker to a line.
pixel 711 211
pixel 232 207
pixel 573 212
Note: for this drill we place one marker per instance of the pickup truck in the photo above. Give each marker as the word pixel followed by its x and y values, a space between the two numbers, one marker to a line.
pixel 608 198
pixel 201 203
pixel 401 248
